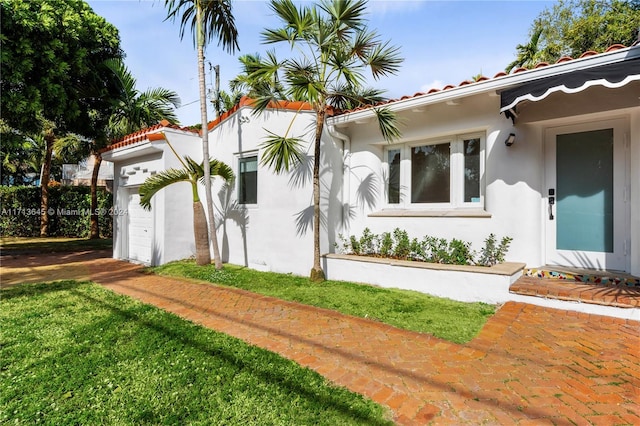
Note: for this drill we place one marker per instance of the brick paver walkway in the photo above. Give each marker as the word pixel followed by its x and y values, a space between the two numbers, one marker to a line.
pixel 529 365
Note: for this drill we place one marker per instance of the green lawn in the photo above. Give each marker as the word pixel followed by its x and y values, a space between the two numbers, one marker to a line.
pixel 451 320
pixel 75 353
pixel 20 245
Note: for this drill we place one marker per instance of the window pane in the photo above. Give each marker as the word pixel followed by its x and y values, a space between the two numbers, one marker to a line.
pixel 393 189
pixel 430 177
pixel 248 181
pixel 472 171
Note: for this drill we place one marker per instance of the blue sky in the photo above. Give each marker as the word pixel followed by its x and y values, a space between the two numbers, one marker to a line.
pixel 443 42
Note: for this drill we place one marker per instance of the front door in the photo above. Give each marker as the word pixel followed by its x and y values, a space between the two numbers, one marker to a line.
pixel 587 196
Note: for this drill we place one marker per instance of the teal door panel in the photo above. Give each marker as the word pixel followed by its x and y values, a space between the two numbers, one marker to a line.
pixel 584 191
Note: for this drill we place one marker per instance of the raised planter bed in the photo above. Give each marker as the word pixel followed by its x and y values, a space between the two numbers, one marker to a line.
pixel 458 282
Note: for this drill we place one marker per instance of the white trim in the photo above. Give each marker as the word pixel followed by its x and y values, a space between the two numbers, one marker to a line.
pixel 492 85
pixel 456 174
pixel 563 88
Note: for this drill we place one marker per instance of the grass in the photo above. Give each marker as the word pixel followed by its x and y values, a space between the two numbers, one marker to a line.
pixel 450 320
pixel 74 353
pixel 21 245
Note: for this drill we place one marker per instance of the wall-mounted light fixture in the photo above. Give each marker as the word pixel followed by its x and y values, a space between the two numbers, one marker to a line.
pixel 510 139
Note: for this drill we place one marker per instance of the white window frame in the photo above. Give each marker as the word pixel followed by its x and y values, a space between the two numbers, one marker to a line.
pixel 456 170
pixel 241 156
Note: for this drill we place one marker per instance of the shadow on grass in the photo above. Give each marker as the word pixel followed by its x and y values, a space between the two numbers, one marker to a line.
pixel 37 289
pixel 50 245
pixel 259 366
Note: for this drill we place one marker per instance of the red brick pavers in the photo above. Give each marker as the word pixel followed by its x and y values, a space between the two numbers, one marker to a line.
pixel 622 296
pixel 529 365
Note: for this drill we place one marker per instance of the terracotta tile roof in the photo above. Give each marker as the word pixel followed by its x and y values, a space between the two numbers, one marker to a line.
pixel 148 133
pixel 144 134
pixel 483 78
pixel 245 101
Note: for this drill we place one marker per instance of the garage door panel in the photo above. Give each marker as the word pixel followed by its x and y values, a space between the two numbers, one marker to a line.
pixel 140 230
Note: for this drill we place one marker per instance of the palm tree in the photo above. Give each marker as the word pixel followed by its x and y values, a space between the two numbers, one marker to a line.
pixel 193 173
pixel 336 49
pixel 130 111
pixel 207 19
pixel 528 54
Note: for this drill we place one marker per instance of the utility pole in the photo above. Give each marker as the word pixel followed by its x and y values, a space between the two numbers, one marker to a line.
pixel 215 96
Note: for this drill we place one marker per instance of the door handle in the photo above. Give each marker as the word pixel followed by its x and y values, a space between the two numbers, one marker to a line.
pixel 552 201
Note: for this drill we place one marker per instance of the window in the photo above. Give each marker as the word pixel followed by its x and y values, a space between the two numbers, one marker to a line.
pixel 431 173
pixel 393 189
pixel 439 174
pixel 471 151
pixel 248 180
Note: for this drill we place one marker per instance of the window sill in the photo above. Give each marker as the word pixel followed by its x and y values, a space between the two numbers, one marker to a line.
pixel 471 213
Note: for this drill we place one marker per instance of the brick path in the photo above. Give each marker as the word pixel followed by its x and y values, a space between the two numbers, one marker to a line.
pixel 529 365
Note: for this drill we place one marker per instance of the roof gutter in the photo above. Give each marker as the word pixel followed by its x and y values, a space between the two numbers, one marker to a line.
pixel 493 85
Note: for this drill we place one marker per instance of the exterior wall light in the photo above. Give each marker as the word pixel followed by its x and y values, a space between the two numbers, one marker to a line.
pixel 510 139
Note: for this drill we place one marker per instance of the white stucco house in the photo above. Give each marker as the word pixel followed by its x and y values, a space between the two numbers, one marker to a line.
pixel 549 156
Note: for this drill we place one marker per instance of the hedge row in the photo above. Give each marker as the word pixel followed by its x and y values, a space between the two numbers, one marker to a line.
pixel 69 211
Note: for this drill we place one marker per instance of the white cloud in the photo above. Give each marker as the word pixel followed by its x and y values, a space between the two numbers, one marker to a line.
pixel 384 7
pixel 435 84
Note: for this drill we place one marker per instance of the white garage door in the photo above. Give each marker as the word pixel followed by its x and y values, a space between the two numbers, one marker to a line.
pixel 140 233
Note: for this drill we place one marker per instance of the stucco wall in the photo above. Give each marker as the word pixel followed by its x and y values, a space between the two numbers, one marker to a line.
pixel 515 196
pixel 512 176
pixel 171 207
pixel 275 234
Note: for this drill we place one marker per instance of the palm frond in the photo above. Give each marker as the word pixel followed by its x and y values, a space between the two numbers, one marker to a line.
pixel 281 153
pixel 195 169
pixel 384 60
pixel 222 170
pixel 297 22
pixel 304 80
pixel 388 124
pixel 345 14
pixel 218 18
pixel 363 42
pixel 155 183
pixel 278 35
pixel 346 96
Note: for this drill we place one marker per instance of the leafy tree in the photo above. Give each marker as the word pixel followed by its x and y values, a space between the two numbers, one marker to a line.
pixel 207 19
pixel 50 59
pixel 336 48
pixel 572 27
pixel 193 173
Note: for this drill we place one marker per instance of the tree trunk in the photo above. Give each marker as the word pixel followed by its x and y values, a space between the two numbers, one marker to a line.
pixel 205 136
pixel 49 138
pixel 94 227
pixel 203 256
pixel 317 274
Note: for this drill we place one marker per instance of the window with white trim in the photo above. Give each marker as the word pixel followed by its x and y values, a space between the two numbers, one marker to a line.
pixel 248 180
pixel 443 173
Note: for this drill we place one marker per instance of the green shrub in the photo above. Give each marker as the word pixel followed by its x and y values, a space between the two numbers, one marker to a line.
pixel 492 253
pixel 430 249
pixel 386 244
pixel 69 205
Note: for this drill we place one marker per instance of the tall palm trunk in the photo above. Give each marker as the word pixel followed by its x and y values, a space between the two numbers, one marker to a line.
pixel 94 228
pixel 49 138
pixel 203 256
pixel 205 137
pixel 317 274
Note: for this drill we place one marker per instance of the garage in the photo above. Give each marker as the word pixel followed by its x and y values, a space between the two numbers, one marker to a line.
pixel 140 230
